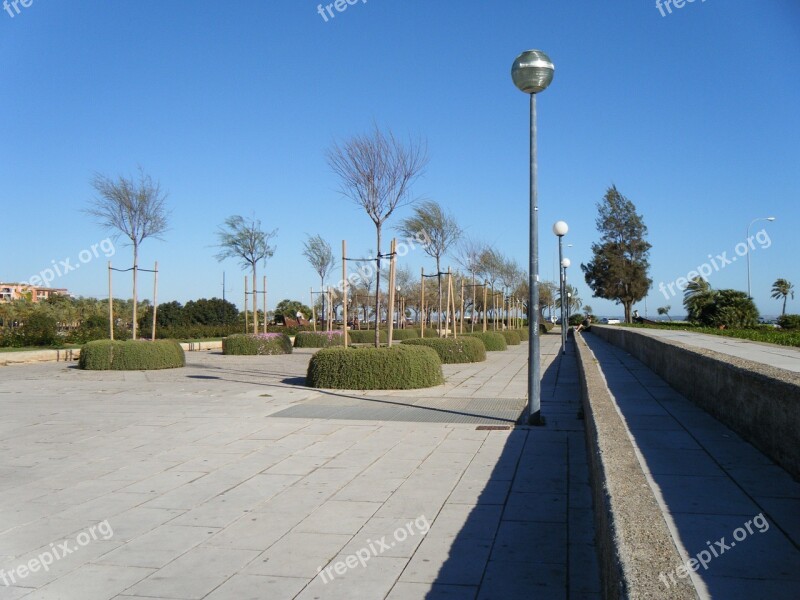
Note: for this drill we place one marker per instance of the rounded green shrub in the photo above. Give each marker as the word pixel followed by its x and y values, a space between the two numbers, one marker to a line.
pixel 318 339
pixel 789 321
pixel 397 368
pixel 131 355
pixel 260 344
pixel 491 340
pixel 523 334
pixel 454 351
pixel 512 337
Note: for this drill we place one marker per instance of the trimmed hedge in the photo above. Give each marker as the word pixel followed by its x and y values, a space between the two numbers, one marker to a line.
pixel 131 355
pixel 454 351
pixel 367 336
pixel 512 337
pixel 405 334
pixel 523 334
pixel 318 339
pixel 261 344
pixel 493 341
pixel 397 368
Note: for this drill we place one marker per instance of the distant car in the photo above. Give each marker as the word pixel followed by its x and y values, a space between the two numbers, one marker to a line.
pixel 606 321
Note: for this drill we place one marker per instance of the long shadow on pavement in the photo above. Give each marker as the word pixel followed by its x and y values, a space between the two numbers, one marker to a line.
pixel 529 529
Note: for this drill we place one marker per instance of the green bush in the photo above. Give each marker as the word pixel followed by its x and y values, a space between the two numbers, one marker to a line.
pixel 453 351
pixel 194 332
pixel 405 334
pixel 512 337
pixel 727 308
pixel 493 341
pixel 575 320
pixel 38 329
pixel 367 336
pixel 95 327
pixel 397 368
pixel 131 355
pixel 261 344
pixel 523 333
pixel 789 321
pixel 318 339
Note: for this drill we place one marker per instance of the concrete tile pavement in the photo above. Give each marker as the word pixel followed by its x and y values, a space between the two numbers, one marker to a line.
pixel 210 496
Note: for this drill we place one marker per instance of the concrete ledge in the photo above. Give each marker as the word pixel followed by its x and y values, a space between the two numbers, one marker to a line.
pixel 36 356
pixel 634 543
pixel 759 402
pixel 195 346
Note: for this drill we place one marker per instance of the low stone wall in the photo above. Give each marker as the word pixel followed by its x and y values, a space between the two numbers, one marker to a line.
pixel 34 356
pixel 759 402
pixel 634 543
pixel 66 355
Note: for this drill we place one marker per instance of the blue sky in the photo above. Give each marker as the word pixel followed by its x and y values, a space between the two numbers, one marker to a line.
pixel 693 115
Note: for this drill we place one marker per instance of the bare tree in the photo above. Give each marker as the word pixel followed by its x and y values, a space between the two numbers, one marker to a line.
pixel 320 256
pixel 509 275
pixel 440 231
pixel 377 171
pixel 245 240
pixel 135 208
pixel 491 263
pixel 469 257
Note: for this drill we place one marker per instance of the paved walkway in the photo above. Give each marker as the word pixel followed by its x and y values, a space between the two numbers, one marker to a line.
pixel 783 357
pixel 725 502
pixel 187 484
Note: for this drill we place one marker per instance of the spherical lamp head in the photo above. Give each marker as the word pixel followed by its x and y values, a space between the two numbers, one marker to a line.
pixel 532 71
pixel 560 228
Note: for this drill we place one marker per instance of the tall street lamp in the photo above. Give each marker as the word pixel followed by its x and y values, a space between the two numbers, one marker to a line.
pixel 560 228
pixel 565 263
pixel 565 324
pixel 749 295
pixel 532 72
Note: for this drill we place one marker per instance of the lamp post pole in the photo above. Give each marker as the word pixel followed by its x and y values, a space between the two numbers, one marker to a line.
pixel 560 229
pixel 532 72
pixel 565 263
pixel 749 295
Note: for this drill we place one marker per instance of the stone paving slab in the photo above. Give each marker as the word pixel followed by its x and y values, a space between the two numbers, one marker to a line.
pixel 210 493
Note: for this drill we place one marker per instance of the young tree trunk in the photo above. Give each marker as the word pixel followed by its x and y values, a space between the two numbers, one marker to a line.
pixel 135 280
pixel 378 288
pixel 322 289
pixel 439 286
pixel 255 301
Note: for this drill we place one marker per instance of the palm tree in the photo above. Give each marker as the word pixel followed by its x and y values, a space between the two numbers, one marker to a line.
pixel 664 310
pixel 698 294
pixel 782 288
